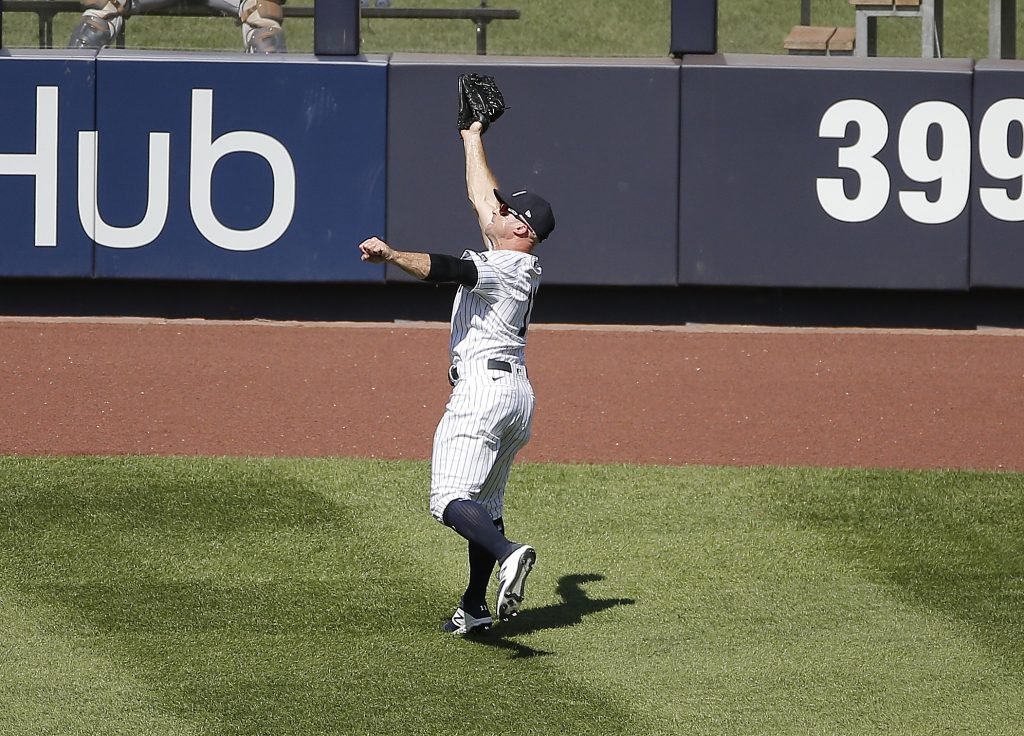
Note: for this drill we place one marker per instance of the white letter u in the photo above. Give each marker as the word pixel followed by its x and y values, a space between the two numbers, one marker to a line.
pixel 134 236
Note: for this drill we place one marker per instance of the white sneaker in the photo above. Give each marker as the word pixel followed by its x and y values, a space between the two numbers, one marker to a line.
pixel 512 580
pixel 464 623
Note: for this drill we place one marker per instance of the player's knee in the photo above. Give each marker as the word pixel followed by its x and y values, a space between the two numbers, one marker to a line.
pixel 438 503
pixel 261 13
pixel 266 41
pixel 98 25
pixel 263 31
pixel 103 8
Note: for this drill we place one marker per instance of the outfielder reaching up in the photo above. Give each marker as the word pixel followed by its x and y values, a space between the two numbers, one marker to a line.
pixel 488 417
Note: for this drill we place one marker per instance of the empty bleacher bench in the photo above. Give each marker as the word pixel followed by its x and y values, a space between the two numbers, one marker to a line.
pixel 820 41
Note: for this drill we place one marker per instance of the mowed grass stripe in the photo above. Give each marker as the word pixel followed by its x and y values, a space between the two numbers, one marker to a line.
pixel 302 597
pixel 54 681
pixel 270 596
pixel 949 541
pixel 757 621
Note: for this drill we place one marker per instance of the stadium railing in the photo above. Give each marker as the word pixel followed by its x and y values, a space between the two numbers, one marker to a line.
pixel 47 10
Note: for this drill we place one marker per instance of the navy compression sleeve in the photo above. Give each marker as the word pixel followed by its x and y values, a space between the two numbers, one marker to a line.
pixel 449 268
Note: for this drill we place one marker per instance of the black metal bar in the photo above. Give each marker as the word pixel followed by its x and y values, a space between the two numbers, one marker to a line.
pixel 336 27
pixel 481 37
pixel 694 27
pixel 1008 31
pixel 443 13
pixel 805 12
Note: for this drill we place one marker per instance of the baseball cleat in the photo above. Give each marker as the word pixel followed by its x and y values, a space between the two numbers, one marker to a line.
pixel 476 621
pixel 512 580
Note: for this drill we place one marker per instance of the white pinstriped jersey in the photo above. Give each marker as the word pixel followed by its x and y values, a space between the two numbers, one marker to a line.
pixel 490 320
pixel 490 412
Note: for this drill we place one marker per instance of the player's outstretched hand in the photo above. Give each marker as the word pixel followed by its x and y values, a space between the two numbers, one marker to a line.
pixel 375 250
pixel 476 129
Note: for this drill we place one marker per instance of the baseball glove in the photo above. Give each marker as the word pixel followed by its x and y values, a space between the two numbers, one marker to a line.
pixel 479 100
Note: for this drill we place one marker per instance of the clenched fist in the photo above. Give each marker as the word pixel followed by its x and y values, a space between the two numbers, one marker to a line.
pixel 376 250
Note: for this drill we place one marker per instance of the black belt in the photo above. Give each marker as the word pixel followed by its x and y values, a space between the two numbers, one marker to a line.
pixel 492 364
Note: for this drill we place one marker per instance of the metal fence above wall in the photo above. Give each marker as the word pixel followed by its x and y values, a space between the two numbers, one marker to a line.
pixel 336 23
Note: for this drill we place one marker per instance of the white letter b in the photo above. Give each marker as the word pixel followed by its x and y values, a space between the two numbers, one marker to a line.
pixel 205 154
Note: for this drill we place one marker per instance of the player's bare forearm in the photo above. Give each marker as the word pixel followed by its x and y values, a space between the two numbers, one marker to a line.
pixel 480 181
pixel 375 250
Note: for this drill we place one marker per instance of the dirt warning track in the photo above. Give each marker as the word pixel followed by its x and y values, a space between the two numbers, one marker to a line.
pixel 863 398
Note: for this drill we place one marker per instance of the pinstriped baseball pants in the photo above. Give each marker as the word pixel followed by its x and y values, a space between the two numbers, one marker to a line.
pixel 486 422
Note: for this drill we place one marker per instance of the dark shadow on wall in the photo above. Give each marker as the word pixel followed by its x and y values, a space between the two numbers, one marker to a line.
pixel 556 304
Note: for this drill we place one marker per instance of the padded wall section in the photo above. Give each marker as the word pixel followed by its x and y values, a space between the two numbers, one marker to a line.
pixel 48 96
pixel 598 138
pixel 233 167
pixel 997 222
pixel 805 172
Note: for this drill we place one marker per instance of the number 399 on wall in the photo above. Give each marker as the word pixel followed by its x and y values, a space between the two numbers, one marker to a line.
pixel 951 169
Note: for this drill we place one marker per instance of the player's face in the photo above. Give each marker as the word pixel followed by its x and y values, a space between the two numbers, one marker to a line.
pixel 500 215
pixel 499 221
pixel 503 222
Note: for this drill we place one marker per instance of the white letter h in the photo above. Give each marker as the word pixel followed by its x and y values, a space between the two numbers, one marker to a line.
pixel 42 165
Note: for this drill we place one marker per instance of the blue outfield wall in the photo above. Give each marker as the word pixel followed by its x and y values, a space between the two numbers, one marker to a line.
pixel 997 213
pixel 854 174
pixel 191 166
pixel 268 186
pixel 598 138
pixel 717 170
pixel 48 97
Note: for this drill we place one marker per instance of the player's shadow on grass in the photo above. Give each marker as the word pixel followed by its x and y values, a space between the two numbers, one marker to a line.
pixel 574 606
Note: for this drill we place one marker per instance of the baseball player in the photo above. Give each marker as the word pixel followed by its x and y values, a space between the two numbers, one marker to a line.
pixel 102 20
pixel 489 415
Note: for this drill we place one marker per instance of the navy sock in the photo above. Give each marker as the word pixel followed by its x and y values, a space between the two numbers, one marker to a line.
pixel 472 521
pixel 481 565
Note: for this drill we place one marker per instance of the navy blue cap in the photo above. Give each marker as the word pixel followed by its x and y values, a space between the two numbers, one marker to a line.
pixel 530 208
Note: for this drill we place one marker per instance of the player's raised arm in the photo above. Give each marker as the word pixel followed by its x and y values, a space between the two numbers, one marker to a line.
pixel 480 104
pixel 480 182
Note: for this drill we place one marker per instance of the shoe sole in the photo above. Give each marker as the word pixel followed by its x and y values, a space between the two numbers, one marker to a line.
pixel 449 627
pixel 480 625
pixel 511 594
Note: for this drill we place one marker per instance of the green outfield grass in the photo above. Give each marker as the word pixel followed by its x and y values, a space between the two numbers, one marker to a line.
pixel 198 596
pixel 555 27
